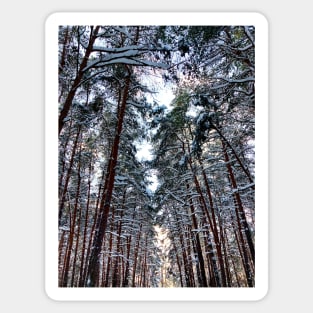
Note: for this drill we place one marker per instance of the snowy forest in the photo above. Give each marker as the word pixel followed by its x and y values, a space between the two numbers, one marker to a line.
pixel 182 215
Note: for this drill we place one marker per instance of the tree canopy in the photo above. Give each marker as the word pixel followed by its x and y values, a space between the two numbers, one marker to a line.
pixel 197 229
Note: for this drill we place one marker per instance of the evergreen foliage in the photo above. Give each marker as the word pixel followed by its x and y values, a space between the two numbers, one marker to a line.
pixel 197 228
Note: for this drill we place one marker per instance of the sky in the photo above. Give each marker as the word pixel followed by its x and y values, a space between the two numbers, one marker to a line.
pixel 144 149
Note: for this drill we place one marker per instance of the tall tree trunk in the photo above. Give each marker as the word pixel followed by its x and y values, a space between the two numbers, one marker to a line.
pixel 243 226
pixel 215 278
pixel 126 275
pixel 92 231
pixel 72 230
pixel 178 264
pixel 61 253
pixel 106 275
pixel 77 239
pixel 183 248
pixel 69 172
pixel 212 221
pixel 189 254
pixel 62 156
pixel 226 142
pixel 63 54
pixel 62 61
pixel 68 102
pixel 144 265
pixel 128 250
pixel 93 269
pixel 214 225
pixel 240 211
pixel 116 274
pixel 136 256
pixel 82 263
pixel 202 277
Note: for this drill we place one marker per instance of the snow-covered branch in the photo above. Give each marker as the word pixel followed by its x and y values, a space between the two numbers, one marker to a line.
pixel 247 32
pixel 242 80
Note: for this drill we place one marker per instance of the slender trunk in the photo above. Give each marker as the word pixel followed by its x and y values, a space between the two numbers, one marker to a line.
pixel 128 247
pixel 63 54
pixel 77 240
pixel 72 230
pixel 239 245
pixel 215 278
pixel 93 269
pixel 226 256
pixel 63 148
pixel 126 275
pixel 62 62
pixel 61 248
pixel 213 224
pixel 212 221
pixel 189 260
pixel 178 264
pixel 136 257
pixel 68 102
pixel 96 213
pixel 116 274
pixel 200 259
pixel 241 216
pixel 183 243
pixel 246 171
pixel 243 226
pixel 109 261
pixel 144 265
pixel 82 263
pixel 231 260
pixel 69 172
pixel 215 236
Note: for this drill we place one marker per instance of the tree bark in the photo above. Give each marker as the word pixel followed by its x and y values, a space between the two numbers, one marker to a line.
pixel 72 231
pixel 68 102
pixel 93 269
pixel 69 172
pixel 202 274
pixel 243 226
pixel 136 257
pixel 82 263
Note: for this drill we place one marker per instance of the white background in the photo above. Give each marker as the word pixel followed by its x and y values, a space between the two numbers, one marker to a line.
pixel 22 156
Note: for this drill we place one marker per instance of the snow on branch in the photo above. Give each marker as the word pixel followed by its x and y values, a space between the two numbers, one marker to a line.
pixel 176 198
pixel 124 58
pixel 140 48
pixel 137 62
pixel 115 234
pixel 106 60
pixel 249 34
pixel 137 105
pixel 242 188
pixel 123 30
pixel 243 80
